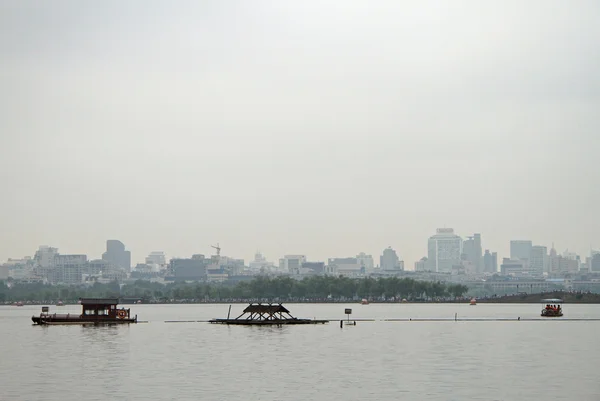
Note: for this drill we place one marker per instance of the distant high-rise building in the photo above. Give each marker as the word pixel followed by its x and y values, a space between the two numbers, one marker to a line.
pixel 572 256
pixel 538 262
pixel 472 252
pixel 313 267
pixel 117 255
pixel 156 258
pixel 513 267
pixel 260 263
pixel 490 262
pixel 292 263
pixel 366 261
pixel 45 261
pixel 69 269
pixel 520 250
pixel 478 252
pixel 4 271
pixel 444 250
pixel 44 256
pixel 389 260
pixel 194 268
pixel 421 265
pixel 595 262
pixel 561 266
pixel 346 266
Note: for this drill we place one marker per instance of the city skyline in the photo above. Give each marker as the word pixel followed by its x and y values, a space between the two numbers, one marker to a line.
pixel 408 264
pixel 324 128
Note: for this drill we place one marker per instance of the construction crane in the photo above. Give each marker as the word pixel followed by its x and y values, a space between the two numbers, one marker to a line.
pixel 218 249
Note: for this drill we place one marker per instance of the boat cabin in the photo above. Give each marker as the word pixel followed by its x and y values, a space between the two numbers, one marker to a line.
pixel 102 308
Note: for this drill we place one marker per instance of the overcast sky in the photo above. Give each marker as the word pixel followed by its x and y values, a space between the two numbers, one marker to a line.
pixel 323 128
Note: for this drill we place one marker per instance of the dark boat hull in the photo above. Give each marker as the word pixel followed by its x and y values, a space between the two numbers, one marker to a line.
pixel 52 320
pixel 551 313
pixel 244 322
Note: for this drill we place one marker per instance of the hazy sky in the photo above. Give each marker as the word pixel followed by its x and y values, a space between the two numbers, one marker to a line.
pixel 325 128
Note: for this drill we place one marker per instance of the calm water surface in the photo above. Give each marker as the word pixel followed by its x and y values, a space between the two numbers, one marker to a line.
pixel 547 360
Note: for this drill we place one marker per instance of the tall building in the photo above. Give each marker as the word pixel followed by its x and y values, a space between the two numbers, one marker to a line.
pixel 117 255
pixel 44 256
pixel 346 266
pixel 389 260
pixel 444 250
pixel 260 263
pixel 192 269
pixel 421 265
pixel 156 258
pixel 292 263
pixel 520 250
pixel 561 266
pixel 595 262
pixel 4 270
pixel 366 261
pixel 538 263
pixel 313 267
pixel 513 266
pixel 472 252
pixel 104 270
pixel 490 262
pixel 69 269
pixel 44 262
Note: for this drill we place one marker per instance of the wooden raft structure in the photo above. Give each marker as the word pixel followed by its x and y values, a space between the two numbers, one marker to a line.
pixel 266 314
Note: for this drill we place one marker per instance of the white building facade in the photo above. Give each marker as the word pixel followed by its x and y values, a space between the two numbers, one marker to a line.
pixel 444 250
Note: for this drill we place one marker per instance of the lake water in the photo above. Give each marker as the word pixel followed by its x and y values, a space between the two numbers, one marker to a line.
pixel 379 360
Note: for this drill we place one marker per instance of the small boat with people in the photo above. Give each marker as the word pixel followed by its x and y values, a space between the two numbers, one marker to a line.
pixel 552 307
pixel 94 311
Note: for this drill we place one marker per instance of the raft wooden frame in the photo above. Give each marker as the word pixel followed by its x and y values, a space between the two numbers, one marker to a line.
pixel 258 314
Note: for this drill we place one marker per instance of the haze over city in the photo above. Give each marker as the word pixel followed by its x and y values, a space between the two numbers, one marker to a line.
pixel 323 129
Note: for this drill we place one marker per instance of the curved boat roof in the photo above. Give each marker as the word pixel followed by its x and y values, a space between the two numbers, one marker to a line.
pixel 552 301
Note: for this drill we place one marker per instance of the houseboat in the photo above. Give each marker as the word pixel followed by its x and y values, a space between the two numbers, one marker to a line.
pixel 94 311
pixel 552 308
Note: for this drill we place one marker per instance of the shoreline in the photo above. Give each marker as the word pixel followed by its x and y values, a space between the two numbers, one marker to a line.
pixel 566 297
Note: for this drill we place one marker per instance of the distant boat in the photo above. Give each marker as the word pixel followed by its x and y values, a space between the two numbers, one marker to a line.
pixel 18 303
pixel 94 311
pixel 364 302
pixel 473 302
pixel 60 303
pixel 552 308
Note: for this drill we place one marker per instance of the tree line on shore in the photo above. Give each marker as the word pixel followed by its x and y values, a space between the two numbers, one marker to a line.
pixel 259 288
